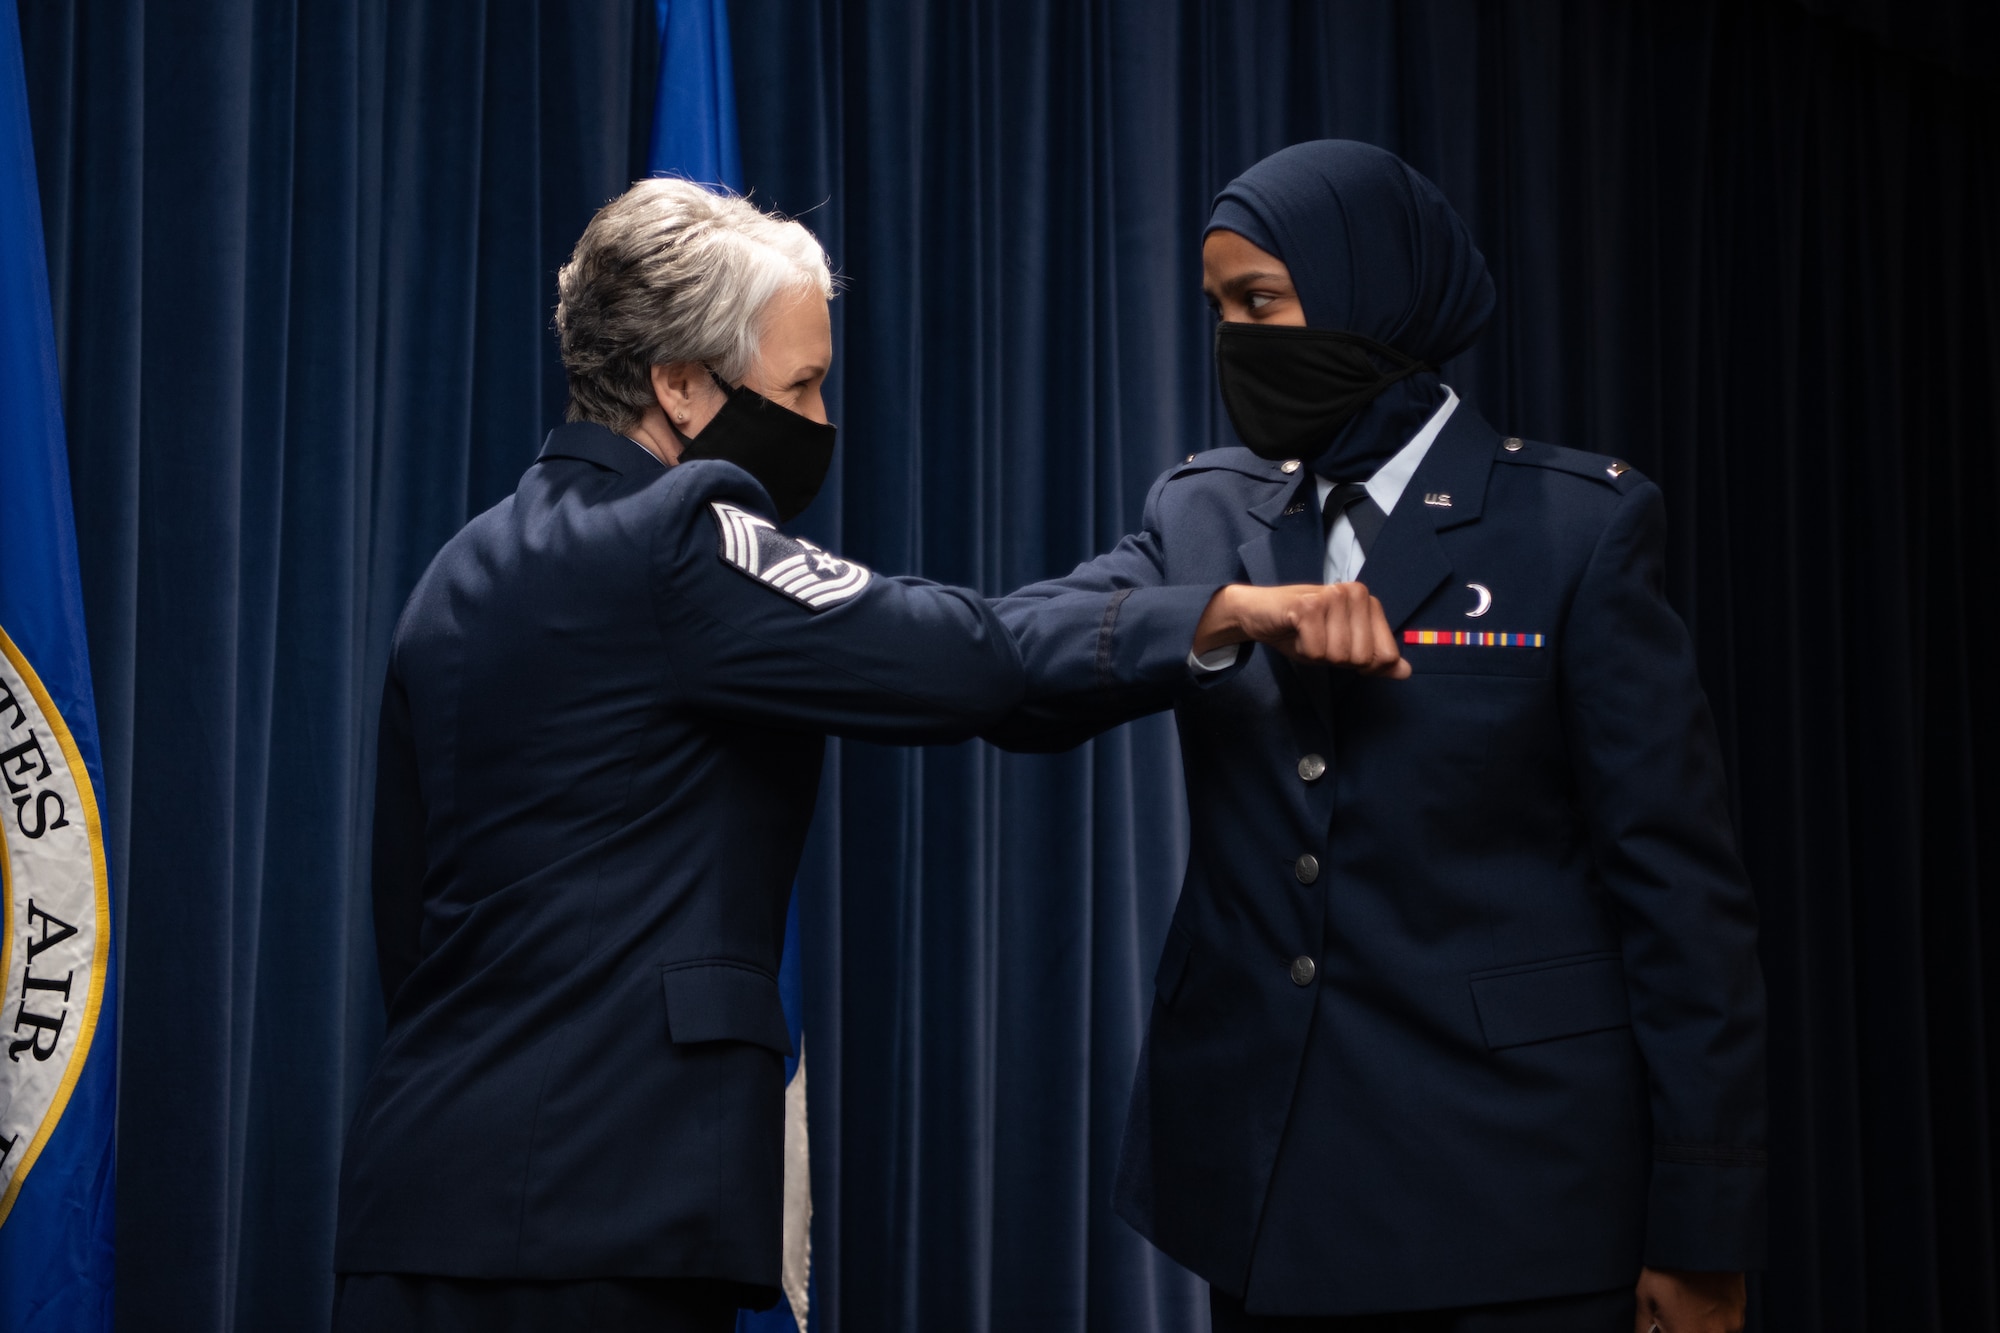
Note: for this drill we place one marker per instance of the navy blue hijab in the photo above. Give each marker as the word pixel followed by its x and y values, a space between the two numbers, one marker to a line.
pixel 1373 249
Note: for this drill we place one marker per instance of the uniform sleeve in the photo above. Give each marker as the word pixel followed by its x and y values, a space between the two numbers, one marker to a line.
pixel 1104 644
pixel 1650 780
pixel 775 631
pixel 398 856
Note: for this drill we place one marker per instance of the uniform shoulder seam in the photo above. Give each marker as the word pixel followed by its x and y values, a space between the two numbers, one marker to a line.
pixel 1604 469
pixel 1236 460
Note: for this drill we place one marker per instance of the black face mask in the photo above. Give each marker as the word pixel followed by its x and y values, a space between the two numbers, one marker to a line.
pixel 788 454
pixel 1290 390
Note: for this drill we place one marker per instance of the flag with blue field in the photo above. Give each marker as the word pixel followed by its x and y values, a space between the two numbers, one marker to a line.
pixel 694 101
pixel 56 997
pixel 694 137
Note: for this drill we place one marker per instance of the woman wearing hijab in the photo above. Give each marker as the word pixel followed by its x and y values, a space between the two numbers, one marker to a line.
pixel 1459 1023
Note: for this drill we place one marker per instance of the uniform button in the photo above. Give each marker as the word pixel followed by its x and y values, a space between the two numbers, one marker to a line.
pixel 1513 444
pixel 1303 971
pixel 1289 466
pixel 1306 868
pixel 1312 768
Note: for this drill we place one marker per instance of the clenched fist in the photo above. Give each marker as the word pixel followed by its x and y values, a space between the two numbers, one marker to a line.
pixel 1340 624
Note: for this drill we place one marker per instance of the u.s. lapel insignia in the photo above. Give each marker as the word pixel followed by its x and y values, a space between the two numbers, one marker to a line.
pixel 1438 500
pixel 1485 602
pixel 1295 507
pixel 795 567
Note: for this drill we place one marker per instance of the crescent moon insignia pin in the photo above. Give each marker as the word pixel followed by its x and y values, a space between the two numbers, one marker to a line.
pixel 1485 599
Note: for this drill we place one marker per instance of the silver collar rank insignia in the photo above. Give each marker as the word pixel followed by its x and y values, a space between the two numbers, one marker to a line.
pixel 795 567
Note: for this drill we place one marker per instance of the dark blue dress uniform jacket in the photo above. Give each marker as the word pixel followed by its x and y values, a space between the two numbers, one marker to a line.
pixel 1460 1002
pixel 600 746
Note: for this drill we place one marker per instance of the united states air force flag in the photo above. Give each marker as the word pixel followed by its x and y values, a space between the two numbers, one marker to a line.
pixel 56 1004
pixel 694 137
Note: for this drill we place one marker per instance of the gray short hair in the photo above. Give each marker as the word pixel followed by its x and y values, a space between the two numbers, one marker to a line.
pixel 670 271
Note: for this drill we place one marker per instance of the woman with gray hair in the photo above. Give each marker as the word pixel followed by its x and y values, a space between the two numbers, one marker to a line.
pixel 676 294
pixel 600 746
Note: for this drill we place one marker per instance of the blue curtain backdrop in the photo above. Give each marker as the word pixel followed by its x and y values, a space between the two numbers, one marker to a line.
pixel 303 261
pixel 303 268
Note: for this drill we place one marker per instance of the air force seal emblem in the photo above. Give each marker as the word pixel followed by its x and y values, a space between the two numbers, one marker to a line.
pixel 793 566
pixel 54 917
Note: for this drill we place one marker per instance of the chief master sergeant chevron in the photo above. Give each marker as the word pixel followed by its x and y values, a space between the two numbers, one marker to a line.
pixel 600 743
pixel 1459 1025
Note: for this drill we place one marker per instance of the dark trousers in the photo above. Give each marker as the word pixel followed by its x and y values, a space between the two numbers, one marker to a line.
pixel 420 1303
pixel 1595 1312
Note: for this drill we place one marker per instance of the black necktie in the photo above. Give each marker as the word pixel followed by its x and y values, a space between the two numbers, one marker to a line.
pixel 1365 516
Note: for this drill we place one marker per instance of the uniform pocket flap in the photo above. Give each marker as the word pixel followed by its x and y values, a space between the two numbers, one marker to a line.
pixel 1437 659
pixel 724 1002
pixel 1564 997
